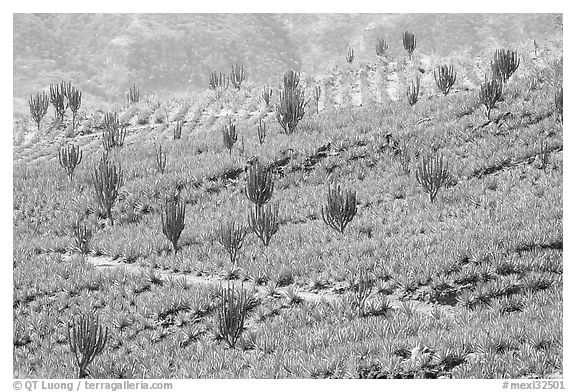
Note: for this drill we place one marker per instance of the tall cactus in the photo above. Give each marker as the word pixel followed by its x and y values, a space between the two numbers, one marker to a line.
pixel 231 314
pixel 259 184
pixel 317 91
pixel 559 103
pixel 74 102
pixel 161 159
pixel 218 82
pixel 114 133
pixel 173 215
pixel 229 135
pixel 432 174
pixel 504 64
pixel 107 179
pixel 261 132
pixel 409 42
pixel 381 47
pixel 340 207
pixel 350 55
pixel 57 97
pixel 490 93
pixel 413 92
pixel 231 237
pixel 267 95
pixel 87 339
pixel 445 78
pixel 237 76
pixel 38 107
pixel 70 157
pixel 290 109
pixel 291 79
pixel 133 96
pixel 178 130
pixel 263 221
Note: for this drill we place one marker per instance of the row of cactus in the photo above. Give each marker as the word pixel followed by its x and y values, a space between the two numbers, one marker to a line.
pixel 62 96
pixel 220 82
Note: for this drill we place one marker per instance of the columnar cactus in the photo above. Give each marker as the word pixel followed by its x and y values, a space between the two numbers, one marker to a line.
pixel 70 157
pixel 317 91
pixel 340 207
pixel 261 132
pixel 263 221
pixel 259 184
pixel 445 78
pixel 161 159
pixel 178 130
pixel 87 339
pixel 490 93
pixel 559 103
pixel 361 284
pixel 107 179
pixel 133 96
pixel 82 235
pixel 504 64
pixel 409 42
pixel 219 82
pixel 350 55
pixel 432 174
pixel 231 314
pixel 114 133
pixel 173 215
pixel 413 92
pixel 57 97
pixel 38 107
pixel 237 76
pixel 229 135
pixel 290 109
pixel 267 95
pixel 231 237
pixel 291 79
pixel 74 102
pixel 381 47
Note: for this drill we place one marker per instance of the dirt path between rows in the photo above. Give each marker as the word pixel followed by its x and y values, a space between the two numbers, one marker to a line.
pixel 324 295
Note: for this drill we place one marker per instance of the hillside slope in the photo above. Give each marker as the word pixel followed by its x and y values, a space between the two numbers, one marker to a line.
pixel 168 53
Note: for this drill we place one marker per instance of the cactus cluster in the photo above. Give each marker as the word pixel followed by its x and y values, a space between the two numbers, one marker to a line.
pixel 291 106
pixel 237 76
pixel 172 216
pixel 219 82
pixel 231 237
pixel 504 64
pixel 340 207
pixel 133 95
pixel 114 132
pixel 381 47
pixel 70 157
pixel 38 107
pixel 409 42
pixel 107 179
pixel 87 339
pixel 229 135
pixel 413 92
pixel 490 93
pixel 445 77
pixel 263 218
pixel 432 174
pixel 161 159
pixel 350 55
pixel 267 95
pixel 231 314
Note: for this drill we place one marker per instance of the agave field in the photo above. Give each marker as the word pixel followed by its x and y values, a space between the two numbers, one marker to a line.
pixel 394 218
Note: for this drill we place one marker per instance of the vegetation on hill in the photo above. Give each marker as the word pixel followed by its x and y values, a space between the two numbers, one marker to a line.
pixel 384 236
